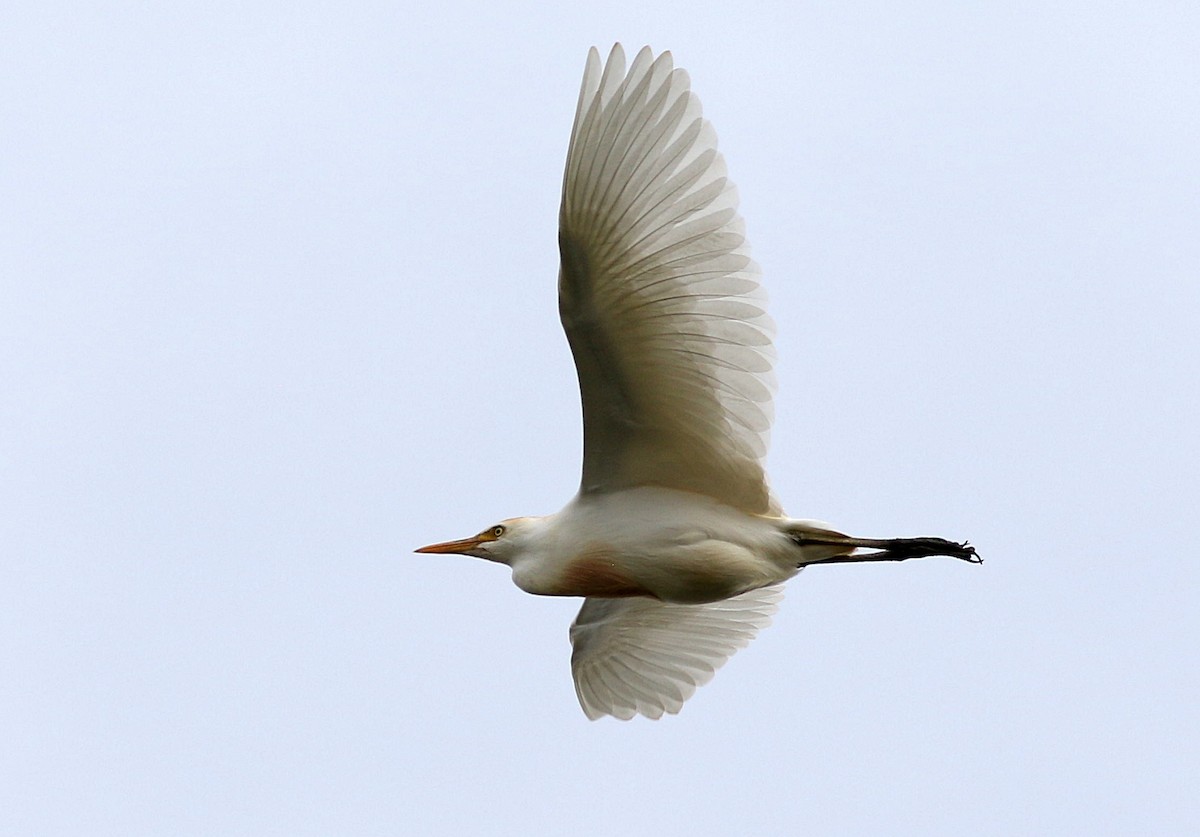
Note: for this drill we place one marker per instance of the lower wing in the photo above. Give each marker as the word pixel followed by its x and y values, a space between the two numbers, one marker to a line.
pixel 642 656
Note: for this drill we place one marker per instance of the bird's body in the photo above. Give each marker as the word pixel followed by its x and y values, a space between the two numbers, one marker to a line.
pixel 670 545
pixel 674 540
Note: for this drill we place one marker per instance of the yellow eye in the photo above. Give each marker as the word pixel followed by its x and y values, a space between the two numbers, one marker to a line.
pixel 497 531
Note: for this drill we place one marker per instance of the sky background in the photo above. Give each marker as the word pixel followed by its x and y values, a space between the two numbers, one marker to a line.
pixel 277 305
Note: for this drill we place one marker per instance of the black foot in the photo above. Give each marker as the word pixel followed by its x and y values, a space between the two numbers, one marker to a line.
pixel 923 547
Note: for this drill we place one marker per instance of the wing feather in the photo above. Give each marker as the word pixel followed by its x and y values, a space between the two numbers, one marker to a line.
pixel 658 295
pixel 640 656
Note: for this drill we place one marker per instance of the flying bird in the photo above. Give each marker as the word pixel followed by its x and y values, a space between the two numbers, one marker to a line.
pixel 674 540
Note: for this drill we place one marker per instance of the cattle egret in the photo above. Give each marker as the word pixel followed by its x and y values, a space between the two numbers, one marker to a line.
pixel 674 539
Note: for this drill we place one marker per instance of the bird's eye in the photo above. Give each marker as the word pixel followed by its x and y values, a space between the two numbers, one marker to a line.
pixel 497 531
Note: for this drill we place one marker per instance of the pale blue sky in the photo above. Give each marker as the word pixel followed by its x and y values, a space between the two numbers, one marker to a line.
pixel 277 306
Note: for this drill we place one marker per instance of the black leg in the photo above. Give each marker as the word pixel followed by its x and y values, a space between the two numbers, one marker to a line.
pixel 897 549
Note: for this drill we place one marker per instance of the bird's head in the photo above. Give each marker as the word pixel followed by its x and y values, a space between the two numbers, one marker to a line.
pixel 499 542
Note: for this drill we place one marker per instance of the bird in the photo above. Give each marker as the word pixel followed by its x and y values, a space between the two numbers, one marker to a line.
pixel 675 541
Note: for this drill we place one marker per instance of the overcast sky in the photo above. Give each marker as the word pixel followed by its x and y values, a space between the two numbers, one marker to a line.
pixel 277 305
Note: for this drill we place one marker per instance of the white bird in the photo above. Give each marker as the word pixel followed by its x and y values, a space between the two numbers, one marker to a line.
pixel 674 538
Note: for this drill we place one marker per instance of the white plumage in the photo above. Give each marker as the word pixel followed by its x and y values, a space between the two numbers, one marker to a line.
pixel 641 656
pixel 674 538
pixel 658 295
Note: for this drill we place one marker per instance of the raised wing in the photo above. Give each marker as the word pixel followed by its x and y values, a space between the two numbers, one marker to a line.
pixel 659 299
pixel 642 656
